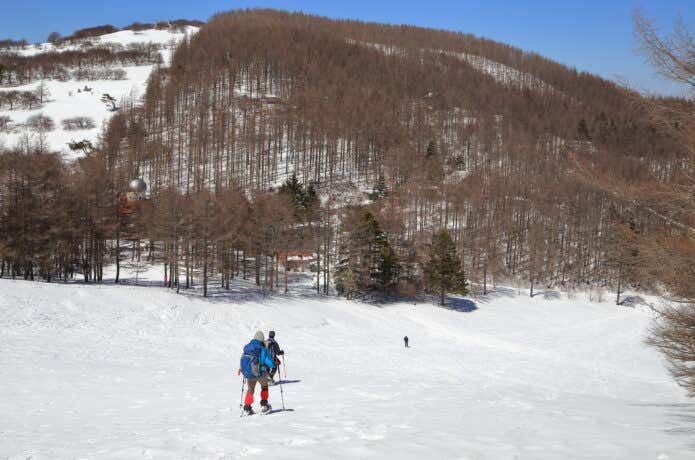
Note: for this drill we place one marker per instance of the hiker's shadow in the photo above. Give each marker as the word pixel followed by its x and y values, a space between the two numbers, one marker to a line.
pixel 285 382
pixel 276 411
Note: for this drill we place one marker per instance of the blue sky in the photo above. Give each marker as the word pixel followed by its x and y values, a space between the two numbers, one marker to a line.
pixel 590 35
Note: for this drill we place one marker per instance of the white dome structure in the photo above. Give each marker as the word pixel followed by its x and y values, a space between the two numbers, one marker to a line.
pixel 138 186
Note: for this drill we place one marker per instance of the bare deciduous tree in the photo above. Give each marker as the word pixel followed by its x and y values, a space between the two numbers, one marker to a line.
pixel 671 255
pixel 75 123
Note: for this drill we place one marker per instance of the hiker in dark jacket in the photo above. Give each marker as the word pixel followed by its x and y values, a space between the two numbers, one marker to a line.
pixel 405 339
pixel 275 351
pixel 255 363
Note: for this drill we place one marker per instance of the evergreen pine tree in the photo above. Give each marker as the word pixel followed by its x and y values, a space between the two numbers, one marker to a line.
pixel 309 197
pixel 388 269
pixel 303 198
pixel 431 149
pixel 294 189
pixel 346 277
pixel 380 190
pixel 366 261
pixel 444 270
pixel 382 259
pixel 583 131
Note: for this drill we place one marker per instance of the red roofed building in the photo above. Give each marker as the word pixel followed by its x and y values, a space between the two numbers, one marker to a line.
pixel 296 261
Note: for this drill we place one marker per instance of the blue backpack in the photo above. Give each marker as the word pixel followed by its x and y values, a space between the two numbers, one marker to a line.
pixel 251 360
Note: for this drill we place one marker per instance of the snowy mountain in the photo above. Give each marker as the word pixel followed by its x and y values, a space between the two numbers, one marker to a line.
pixel 83 98
pixel 138 372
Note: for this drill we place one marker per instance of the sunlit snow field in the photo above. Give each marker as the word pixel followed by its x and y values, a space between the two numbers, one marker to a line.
pixel 107 372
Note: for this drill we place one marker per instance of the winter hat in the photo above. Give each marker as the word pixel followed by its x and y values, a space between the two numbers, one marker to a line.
pixel 271 334
pixel 259 336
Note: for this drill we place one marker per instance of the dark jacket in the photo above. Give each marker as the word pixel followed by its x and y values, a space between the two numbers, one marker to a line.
pixel 274 348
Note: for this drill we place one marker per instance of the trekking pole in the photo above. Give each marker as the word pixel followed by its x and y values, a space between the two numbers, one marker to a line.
pixel 284 365
pixel 282 394
pixel 241 398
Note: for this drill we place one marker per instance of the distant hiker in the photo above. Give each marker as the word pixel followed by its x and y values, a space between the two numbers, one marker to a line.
pixel 275 351
pixel 255 362
pixel 405 340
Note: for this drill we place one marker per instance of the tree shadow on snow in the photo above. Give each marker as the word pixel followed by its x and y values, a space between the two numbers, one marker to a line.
pixel 632 300
pixel 242 291
pixel 460 304
pixel 682 416
pixel 497 293
pixel 551 295
pixel 132 282
pixel 508 292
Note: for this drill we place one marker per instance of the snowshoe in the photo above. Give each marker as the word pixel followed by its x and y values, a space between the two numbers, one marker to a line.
pixel 248 410
pixel 265 408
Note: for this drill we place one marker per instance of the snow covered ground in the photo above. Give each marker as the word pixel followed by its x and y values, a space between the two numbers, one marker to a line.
pixel 121 37
pixel 65 101
pixel 139 372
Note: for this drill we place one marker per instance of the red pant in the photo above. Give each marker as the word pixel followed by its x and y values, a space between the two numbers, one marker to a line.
pixel 251 387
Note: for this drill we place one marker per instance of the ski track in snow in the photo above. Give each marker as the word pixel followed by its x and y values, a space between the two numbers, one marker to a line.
pixel 139 372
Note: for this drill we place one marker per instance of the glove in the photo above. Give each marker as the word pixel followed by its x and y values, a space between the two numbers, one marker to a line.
pixel 238 372
pixel 281 352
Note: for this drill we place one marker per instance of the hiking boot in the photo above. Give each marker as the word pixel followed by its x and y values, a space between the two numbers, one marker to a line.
pixel 248 410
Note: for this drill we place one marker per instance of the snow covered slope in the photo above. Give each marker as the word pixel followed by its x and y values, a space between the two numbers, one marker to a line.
pixel 501 73
pixel 504 74
pixel 65 101
pixel 122 37
pixel 138 372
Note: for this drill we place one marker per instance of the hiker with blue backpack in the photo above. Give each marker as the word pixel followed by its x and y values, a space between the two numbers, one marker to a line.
pixel 255 363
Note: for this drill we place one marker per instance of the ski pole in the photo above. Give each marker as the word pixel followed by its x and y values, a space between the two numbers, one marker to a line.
pixel 241 398
pixel 282 394
pixel 284 364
